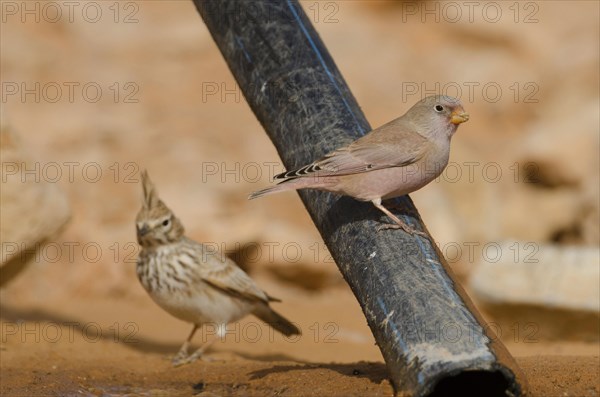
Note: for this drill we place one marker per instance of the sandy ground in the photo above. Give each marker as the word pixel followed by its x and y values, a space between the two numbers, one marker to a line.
pixel 113 348
pixel 81 324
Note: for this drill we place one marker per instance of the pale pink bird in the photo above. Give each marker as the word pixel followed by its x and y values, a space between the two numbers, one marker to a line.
pixel 395 159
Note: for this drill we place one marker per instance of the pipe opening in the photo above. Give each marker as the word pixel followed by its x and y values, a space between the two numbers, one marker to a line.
pixel 474 384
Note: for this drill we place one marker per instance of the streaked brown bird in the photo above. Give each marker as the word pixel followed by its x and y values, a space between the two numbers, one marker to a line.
pixel 390 161
pixel 194 283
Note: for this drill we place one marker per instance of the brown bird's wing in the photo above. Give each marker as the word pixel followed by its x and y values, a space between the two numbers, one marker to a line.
pixel 395 144
pixel 224 275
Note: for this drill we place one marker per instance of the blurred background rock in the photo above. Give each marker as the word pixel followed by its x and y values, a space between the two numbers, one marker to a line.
pixel 144 86
pixel 33 210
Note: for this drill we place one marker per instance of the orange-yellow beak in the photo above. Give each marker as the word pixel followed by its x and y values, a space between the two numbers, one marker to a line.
pixel 459 116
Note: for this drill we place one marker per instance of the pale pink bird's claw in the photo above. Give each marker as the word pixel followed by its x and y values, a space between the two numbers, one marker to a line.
pixel 398 223
pixel 408 229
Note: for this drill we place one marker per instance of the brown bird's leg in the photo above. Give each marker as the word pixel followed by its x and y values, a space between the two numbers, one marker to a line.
pixel 182 356
pixel 399 223
pixel 199 353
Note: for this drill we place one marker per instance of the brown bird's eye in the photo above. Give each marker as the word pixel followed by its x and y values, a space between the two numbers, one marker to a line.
pixel 165 222
pixel 438 108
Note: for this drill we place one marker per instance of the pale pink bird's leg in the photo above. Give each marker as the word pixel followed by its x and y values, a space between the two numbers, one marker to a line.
pixel 399 223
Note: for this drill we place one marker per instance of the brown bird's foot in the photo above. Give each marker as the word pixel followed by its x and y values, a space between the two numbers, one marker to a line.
pixel 178 361
pixel 197 355
pixel 182 355
pixel 183 358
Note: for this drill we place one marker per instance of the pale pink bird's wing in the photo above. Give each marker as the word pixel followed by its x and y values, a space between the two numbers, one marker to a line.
pixel 224 275
pixel 392 145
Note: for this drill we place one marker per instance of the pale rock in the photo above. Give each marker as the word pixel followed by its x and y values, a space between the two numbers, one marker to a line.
pixel 33 209
pixel 526 273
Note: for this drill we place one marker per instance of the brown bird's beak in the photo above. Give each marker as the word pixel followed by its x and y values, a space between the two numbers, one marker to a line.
pixel 459 116
pixel 143 230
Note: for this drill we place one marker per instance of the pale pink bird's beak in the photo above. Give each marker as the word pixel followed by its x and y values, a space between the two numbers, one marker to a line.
pixel 459 116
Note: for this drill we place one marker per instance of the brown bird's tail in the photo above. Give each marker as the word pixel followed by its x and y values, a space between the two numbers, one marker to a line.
pixel 276 320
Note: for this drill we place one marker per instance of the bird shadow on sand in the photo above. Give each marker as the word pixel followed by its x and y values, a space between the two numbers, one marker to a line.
pixel 91 331
pixel 374 372
pixel 268 357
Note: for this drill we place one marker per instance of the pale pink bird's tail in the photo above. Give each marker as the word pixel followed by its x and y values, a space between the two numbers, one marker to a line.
pixel 293 183
pixel 270 190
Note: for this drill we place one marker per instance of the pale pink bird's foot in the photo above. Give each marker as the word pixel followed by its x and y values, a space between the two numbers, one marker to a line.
pixel 399 224
pixel 407 228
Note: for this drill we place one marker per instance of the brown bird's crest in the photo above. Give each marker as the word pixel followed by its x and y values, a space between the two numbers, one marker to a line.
pixel 150 196
pixel 156 223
